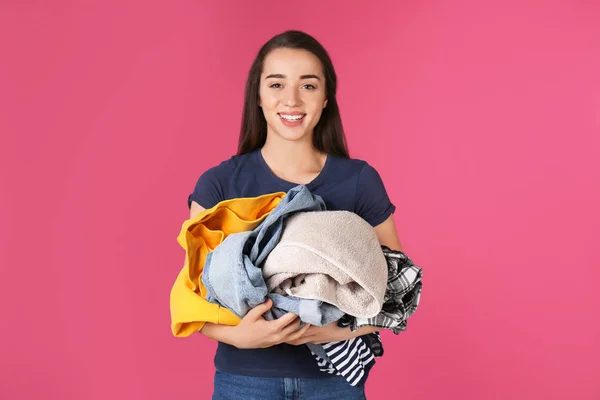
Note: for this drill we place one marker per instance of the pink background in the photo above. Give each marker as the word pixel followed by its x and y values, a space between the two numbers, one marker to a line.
pixel 482 117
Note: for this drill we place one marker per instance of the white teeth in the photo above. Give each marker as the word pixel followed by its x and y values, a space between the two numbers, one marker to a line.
pixel 292 117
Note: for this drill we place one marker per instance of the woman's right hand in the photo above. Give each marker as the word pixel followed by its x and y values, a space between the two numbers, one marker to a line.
pixel 255 332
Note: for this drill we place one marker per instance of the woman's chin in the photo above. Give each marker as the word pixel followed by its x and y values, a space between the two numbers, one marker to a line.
pixel 293 135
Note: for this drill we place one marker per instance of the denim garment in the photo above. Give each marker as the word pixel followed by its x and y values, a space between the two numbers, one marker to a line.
pixel 236 387
pixel 234 279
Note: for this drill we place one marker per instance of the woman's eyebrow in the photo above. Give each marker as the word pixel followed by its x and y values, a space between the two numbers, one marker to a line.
pixel 281 76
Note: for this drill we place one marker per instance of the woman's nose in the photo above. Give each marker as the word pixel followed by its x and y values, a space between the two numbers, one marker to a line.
pixel 291 98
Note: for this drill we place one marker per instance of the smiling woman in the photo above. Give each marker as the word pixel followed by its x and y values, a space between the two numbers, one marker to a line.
pixel 291 134
pixel 292 92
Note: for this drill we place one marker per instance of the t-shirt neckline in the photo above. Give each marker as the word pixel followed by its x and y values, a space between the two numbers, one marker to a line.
pixel 309 185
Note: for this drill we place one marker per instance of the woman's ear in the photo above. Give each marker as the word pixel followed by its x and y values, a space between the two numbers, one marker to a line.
pixel 325 103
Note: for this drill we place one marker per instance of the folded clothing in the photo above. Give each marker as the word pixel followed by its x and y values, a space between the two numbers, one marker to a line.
pixel 402 295
pixel 331 256
pixel 315 263
pixel 198 237
pixel 232 273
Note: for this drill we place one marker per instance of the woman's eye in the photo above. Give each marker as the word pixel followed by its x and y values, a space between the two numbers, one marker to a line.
pixel 275 86
pixel 310 87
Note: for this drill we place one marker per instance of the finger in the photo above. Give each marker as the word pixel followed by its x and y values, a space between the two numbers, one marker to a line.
pixel 313 329
pixel 283 334
pixel 260 309
pixel 296 342
pixel 291 328
pixel 299 334
pixel 294 338
pixel 283 321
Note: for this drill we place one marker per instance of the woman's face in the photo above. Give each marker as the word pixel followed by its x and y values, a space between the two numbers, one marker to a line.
pixel 292 93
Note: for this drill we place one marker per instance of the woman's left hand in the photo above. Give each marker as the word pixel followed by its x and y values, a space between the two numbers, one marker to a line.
pixel 330 333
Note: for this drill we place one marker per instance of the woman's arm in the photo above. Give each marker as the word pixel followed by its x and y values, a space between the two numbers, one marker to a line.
pixel 387 235
pixel 221 333
pixel 195 209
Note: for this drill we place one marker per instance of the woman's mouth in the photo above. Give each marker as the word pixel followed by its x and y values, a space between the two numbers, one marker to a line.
pixel 291 119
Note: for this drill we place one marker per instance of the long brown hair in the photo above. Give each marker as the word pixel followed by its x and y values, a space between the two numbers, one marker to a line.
pixel 328 135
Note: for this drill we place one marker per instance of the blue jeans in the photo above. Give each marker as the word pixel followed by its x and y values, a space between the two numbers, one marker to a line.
pixel 239 387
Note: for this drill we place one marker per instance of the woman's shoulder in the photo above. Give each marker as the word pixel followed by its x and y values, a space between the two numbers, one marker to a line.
pixel 364 185
pixel 353 166
pixel 225 167
pixel 212 184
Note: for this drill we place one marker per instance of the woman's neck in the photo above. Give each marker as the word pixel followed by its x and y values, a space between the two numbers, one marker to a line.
pixel 293 161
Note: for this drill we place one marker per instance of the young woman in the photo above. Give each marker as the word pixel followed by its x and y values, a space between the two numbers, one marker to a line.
pixel 291 134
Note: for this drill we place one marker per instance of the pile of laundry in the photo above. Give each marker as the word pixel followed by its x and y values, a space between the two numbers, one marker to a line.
pixel 324 266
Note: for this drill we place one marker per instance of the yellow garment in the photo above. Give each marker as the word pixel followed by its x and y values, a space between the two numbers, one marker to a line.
pixel 199 236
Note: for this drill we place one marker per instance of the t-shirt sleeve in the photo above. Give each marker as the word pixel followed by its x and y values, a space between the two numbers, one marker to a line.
pixel 209 189
pixel 372 201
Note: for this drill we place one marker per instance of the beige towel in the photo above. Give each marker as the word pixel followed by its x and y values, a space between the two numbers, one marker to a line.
pixel 332 256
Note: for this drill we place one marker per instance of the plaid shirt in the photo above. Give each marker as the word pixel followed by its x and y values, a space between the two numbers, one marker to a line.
pixel 353 358
pixel 401 296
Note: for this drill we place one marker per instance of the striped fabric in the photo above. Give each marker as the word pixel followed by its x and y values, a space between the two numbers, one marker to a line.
pixel 352 358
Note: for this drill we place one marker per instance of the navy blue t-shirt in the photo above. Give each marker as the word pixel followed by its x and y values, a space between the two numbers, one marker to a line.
pixel 344 184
